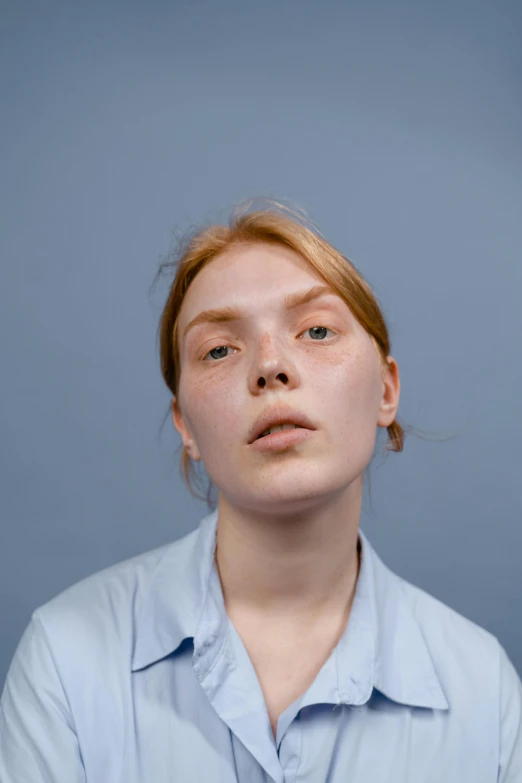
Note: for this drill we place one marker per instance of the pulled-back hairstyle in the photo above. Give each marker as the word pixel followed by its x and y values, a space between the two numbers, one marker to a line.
pixel 280 225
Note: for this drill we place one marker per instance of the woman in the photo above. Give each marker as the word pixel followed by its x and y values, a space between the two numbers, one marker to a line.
pixel 272 643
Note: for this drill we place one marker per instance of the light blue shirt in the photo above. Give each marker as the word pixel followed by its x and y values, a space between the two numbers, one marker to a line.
pixel 137 675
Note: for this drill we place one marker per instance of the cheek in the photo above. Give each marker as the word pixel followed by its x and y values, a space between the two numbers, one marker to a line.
pixel 192 402
pixel 349 387
pixel 210 405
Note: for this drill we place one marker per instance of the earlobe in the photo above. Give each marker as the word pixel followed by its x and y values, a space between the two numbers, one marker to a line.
pixel 390 400
pixel 177 418
pixel 181 427
pixel 175 413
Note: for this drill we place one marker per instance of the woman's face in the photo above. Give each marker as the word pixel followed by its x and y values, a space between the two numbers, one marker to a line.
pixel 268 357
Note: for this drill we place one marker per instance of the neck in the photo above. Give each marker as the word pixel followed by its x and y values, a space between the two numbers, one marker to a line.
pixel 301 565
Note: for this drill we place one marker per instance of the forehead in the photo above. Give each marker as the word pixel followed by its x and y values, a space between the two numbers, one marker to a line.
pixel 249 273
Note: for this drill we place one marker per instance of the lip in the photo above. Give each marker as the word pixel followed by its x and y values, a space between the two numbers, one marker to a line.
pixel 278 414
pixel 279 441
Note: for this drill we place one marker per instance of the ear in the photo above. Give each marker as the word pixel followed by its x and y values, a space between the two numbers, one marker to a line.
pixel 391 393
pixel 183 429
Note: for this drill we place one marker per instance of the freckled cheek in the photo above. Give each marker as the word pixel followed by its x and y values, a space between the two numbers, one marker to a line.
pixel 210 407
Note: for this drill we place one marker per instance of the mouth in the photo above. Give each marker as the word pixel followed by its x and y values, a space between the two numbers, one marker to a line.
pixel 280 428
pixel 281 439
pixel 277 419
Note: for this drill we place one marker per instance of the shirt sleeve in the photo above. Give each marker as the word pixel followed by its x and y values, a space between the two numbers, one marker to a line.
pixel 510 760
pixel 38 742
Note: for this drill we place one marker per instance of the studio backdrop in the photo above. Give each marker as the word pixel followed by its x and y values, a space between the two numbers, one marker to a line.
pixel 397 127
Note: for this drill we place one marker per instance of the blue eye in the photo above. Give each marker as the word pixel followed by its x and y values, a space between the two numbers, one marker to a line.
pixel 217 348
pixel 317 327
pixel 220 347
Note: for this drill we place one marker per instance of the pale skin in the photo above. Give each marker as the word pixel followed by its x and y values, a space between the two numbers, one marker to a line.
pixel 287 521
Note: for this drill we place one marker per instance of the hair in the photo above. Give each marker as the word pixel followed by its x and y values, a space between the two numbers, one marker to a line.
pixel 280 225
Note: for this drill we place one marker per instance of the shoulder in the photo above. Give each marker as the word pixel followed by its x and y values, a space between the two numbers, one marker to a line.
pixel 480 683
pixel 93 621
pixel 469 660
pixel 113 593
pixel 476 672
pixel 444 629
pixel 452 640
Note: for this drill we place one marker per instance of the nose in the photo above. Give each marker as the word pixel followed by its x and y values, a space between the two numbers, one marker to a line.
pixel 262 381
pixel 272 366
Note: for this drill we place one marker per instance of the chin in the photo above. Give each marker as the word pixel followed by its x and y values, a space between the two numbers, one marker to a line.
pixel 286 493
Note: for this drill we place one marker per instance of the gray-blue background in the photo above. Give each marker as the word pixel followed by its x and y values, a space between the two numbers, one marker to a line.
pixel 397 126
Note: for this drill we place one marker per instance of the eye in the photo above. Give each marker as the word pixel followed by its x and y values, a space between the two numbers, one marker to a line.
pixel 219 348
pixel 321 328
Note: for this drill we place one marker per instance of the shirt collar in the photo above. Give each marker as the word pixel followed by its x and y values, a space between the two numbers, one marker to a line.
pixel 384 644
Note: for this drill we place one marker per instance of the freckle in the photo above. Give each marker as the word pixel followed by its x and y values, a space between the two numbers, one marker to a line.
pixel 334 360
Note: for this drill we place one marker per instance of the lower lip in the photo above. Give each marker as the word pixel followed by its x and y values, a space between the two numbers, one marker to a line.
pixel 278 441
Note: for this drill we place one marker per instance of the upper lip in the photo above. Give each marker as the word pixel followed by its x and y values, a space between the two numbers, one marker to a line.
pixel 278 414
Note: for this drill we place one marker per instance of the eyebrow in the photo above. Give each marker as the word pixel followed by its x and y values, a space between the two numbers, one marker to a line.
pixel 224 314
